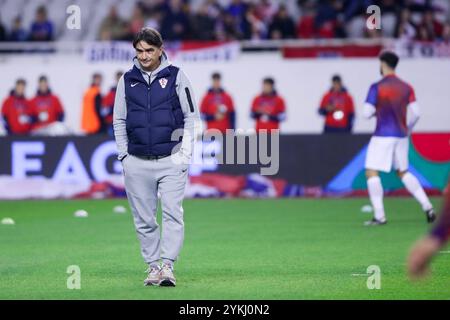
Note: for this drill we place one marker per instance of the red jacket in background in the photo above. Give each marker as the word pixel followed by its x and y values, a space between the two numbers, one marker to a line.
pixel 268 110
pixel 342 116
pixel 18 114
pixel 305 27
pixel 108 107
pixel 47 109
pixel 215 102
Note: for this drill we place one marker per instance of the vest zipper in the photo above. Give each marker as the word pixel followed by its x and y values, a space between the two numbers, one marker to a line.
pixel 148 113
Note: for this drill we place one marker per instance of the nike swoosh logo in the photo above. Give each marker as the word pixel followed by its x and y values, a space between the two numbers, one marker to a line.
pixel 134 84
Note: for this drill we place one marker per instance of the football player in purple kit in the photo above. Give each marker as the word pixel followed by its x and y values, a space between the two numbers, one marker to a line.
pixel 393 103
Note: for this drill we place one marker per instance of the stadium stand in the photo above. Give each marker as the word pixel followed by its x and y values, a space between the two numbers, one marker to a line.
pixel 238 19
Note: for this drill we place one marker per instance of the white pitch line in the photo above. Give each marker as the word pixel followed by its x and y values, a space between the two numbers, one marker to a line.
pixel 359 275
pixel 444 251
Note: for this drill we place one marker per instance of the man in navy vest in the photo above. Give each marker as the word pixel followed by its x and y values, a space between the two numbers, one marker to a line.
pixel 155 123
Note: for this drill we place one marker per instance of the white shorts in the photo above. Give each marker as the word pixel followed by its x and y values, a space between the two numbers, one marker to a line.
pixel 384 153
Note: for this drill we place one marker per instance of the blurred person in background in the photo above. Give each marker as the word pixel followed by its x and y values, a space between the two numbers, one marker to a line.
pixel 112 27
pixel 153 5
pixel 91 109
pixel 406 28
pixel 17 33
pixel 329 22
pixel 418 6
pixel 227 28
pixel 47 107
pixel 136 22
pixel 17 111
pixel 337 108
pixel 266 9
pixel 354 8
pixel 282 26
pixel 252 26
pixel 268 109
pixel 446 33
pixel 237 9
pixel 429 23
pixel 154 12
pixel 426 248
pixel 204 24
pixel 154 20
pixel 175 24
pixel 3 36
pixel 423 35
pixel 42 27
pixel 108 107
pixel 217 107
pixel 305 25
pixel 214 8
pixel 390 6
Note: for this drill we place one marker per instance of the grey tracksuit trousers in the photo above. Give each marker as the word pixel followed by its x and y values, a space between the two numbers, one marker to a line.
pixel 143 180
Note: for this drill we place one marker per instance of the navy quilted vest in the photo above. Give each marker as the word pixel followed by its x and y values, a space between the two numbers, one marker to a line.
pixel 153 112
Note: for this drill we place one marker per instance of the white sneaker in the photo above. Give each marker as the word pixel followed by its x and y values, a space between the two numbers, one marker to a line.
pixel 375 222
pixel 153 277
pixel 167 278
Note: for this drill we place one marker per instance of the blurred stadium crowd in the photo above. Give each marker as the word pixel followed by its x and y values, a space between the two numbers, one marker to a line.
pixel 205 20
pixel 44 20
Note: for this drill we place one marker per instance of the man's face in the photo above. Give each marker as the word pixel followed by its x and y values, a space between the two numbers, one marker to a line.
pixel 43 86
pixel 20 89
pixel 267 88
pixel 98 81
pixel 282 13
pixel 17 23
pixel 216 83
pixel 148 55
pixel 337 85
pixel 40 17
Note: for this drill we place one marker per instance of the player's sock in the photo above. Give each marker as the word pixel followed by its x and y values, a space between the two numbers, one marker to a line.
pixel 167 261
pixel 154 264
pixel 375 189
pixel 413 186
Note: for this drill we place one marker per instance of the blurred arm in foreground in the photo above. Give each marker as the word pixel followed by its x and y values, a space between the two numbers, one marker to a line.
pixel 426 248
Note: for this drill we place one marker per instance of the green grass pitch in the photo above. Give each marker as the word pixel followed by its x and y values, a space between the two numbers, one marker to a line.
pixel 234 249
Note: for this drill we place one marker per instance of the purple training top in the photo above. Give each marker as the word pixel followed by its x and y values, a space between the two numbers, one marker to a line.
pixel 391 96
